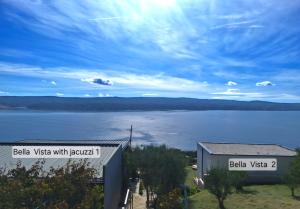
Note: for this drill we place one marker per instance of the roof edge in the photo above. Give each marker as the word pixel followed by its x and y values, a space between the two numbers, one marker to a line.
pixel 209 142
pixel 285 147
pixel 204 147
pixel 273 144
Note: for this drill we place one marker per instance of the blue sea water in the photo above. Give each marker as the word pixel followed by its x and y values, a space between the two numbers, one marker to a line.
pixel 180 129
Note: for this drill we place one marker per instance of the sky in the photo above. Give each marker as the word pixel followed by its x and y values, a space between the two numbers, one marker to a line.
pixel 210 49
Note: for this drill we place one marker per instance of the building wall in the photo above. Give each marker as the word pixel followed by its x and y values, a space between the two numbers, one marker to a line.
pixel 211 161
pixel 113 180
pixel 206 161
pixel 256 176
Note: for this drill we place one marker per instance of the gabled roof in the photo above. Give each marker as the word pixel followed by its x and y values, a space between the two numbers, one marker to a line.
pixel 107 149
pixel 107 142
pixel 246 149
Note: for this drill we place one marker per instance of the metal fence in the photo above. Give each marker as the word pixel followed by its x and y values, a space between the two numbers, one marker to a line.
pixel 128 202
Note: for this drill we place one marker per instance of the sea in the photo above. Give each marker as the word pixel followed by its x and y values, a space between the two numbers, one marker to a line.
pixel 178 129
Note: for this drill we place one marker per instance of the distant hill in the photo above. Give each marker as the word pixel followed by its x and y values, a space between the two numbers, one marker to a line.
pixel 135 103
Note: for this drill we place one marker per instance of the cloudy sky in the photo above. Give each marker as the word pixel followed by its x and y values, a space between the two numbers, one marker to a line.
pixel 229 49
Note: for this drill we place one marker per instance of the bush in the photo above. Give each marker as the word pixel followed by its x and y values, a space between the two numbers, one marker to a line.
pixel 65 188
pixel 192 190
pixel 141 189
pixel 172 200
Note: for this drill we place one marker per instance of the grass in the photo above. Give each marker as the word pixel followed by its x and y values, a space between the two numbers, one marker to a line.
pixel 191 174
pixel 254 197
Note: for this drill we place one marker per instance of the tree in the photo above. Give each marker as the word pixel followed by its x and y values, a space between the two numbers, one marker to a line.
pixel 67 187
pixel 219 183
pixel 292 178
pixel 131 163
pixel 160 168
pixel 292 182
pixel 238 179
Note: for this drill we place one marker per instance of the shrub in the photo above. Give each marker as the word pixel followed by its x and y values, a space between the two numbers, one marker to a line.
pixel 192 190
pixel 171 200
pixel 238 179
pixel 65 188
pixel 141 189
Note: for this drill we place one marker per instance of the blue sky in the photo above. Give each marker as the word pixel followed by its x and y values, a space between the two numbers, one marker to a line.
pixel 229 49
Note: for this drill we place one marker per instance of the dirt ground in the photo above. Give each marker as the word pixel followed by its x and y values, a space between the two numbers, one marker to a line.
pixel 139 201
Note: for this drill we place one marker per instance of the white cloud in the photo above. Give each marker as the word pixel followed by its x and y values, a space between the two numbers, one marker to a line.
pixel 149 21
pixel 233 75
pixel 265 83
pixel 288 75
pixel 256 26
pixel 59 94
pixel 53 83
pixel 231 83
pixel 149 94
pixel 118 78
pixel 237 93
pixel 104 95
pixel 157 82
pixel 87 95
pixel 174 29
pixel 233 25
pixel 289 97
pixel 3 93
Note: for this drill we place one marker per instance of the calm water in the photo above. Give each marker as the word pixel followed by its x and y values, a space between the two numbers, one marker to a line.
pixel 181 129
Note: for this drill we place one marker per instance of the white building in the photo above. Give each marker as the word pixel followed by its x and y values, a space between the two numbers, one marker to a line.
pixel 212 155
pixel 109 165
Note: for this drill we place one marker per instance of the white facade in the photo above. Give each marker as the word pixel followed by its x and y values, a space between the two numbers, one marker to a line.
pixel 206 160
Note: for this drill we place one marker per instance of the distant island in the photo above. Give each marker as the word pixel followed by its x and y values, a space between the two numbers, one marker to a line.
pixel 97 104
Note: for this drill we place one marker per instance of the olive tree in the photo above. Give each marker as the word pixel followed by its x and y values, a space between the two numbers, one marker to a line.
pixel 292 178
pixel 219 183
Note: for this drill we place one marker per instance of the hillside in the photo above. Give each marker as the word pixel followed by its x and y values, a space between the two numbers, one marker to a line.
pixel 136 103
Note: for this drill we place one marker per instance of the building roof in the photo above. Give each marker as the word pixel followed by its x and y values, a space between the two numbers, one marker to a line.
pixel 108 142
pixel 247 149
pixel 107 147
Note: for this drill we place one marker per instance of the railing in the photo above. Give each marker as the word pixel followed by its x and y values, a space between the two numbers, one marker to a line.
pixel 128 202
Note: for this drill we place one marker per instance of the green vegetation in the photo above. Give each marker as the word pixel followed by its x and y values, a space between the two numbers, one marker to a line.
pixel 141 188
pixel 162 171
pixel 135 103
pixel 67 187
pixel 238 179
pixel 172 200
pixel 191 157
pixel 292 178
pixel 189 181
pixel 252 197
pixel 190 175
pixel 218 182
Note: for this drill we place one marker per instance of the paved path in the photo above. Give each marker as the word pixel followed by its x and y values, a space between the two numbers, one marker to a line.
pixel 139 201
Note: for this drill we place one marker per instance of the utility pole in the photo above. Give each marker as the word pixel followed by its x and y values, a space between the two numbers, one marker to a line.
pixel 130 138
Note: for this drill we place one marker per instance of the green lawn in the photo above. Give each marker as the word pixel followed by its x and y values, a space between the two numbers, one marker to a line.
pixel 191 174
pixel 255 197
